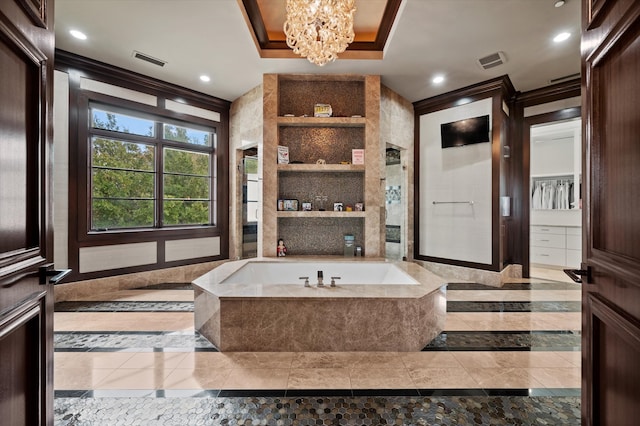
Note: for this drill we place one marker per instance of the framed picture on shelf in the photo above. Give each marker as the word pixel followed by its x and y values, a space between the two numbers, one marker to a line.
pixel 283 154
pixel 306 206
pixel 290 205
pixel 357 156
pixel 338 207
pixel 359 207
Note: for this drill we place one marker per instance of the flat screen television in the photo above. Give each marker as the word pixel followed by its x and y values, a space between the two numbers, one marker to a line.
pixel 465 132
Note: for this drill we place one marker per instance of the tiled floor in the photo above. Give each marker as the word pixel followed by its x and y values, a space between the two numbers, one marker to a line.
pixel 515 349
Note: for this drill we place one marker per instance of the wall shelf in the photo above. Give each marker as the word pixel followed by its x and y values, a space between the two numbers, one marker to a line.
pixel 355 101
pixel 322 121
pixel 316 213
pixel 321 167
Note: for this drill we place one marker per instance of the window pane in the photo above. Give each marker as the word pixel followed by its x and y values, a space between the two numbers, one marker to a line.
pixel 186 187
pixel 118 122
pixel 108 183
pixel 186 212
pixel 122 155
pixel 111 214
pixel 186 162
pixel 187 135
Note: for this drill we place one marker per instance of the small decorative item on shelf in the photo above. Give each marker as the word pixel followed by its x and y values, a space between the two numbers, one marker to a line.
pixel 349 245
pixel 337 207
pixel 345 163
pixel 359 207
pixel 322 110
pixel 290 205
pixel 357 156
pixel 282 249
pixel 321 161
pixel 280 205
pixel 306 206
pixel 348 208
pixel 320 202
pixel 283 154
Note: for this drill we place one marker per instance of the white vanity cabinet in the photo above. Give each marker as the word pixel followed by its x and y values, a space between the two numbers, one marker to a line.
pixel 556 245
pixel 555 237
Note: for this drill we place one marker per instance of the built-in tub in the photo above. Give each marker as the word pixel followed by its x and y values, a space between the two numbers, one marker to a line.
pixel 263 305
pixel 268 273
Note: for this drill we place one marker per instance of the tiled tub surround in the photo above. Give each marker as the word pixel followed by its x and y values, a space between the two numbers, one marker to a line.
pixel 286 316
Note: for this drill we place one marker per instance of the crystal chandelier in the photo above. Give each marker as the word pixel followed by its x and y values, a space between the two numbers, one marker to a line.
pixel 319 29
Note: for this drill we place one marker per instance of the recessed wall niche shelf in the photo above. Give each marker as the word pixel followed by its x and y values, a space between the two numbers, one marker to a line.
pixel 355 102
pixel 321 168
pixel 315 213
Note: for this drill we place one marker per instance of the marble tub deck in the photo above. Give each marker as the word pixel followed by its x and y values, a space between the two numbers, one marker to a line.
pixel 257 317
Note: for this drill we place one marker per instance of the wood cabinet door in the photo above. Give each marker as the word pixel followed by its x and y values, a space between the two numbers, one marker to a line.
pixel 26 305
pixel 611 240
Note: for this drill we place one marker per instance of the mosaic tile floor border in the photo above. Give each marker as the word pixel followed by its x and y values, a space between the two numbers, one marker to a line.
pixel 286 393
pixel 166 286
pixel 556 340
pixel 465 306
pixel 124 306
pixel 494 410
pixel 515 286
pixel 105 341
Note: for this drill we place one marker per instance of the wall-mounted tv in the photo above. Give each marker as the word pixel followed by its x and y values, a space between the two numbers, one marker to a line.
pixel 465 132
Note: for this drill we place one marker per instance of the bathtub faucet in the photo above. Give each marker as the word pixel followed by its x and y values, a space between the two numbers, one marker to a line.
pixel 320 277
pixel 306 281
pixel 333 281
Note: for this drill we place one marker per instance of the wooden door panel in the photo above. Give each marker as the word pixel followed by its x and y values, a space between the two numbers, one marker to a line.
pixel 26 306
pixel 20 373
pixel 616 92
pixel 614 353
pixel 611 292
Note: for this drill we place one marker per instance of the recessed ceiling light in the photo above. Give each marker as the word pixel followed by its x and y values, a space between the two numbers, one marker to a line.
pixel 205 78
pixel 78 34
pixel 559 3
pixel 437 79
pixel 561 37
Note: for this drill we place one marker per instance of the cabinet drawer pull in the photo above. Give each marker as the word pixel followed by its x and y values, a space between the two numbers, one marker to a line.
pixel 546 241
pixel 544 255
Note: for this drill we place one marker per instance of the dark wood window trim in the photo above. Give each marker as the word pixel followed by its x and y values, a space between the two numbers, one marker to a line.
pixel 79 234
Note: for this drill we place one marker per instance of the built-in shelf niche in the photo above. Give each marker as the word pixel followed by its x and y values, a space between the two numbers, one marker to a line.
pixel 299 93
pixel 331 144
pixel 338 187
pixel 288 116
pixel 327 238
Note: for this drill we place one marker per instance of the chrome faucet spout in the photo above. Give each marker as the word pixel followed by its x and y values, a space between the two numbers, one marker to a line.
pixel 320 278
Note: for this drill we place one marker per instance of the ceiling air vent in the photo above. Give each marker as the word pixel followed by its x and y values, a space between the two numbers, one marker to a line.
pixel 565 78
pixel 492 60
pixel 149 59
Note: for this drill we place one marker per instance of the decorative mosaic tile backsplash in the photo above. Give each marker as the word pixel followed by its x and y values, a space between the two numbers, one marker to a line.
pixel 330 241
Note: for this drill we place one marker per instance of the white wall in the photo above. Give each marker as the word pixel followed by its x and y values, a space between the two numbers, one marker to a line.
pixel 455 231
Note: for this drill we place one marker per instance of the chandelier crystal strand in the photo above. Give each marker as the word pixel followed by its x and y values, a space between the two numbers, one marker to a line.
pixel 319 29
